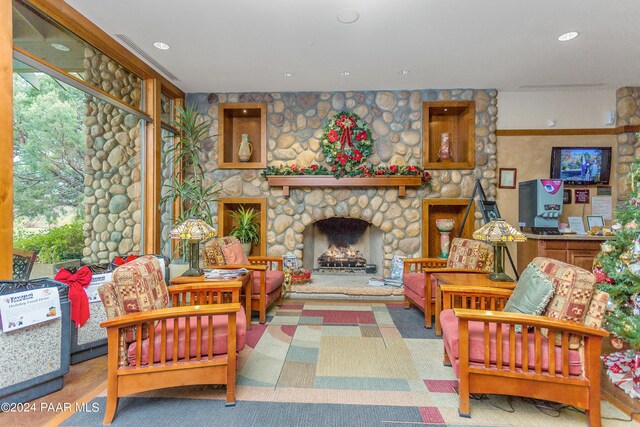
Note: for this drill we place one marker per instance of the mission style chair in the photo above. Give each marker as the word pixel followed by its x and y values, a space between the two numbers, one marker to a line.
pixel 150 345
pixel 23 263
pixel 561 362
pixel 268 274
pixel 465 256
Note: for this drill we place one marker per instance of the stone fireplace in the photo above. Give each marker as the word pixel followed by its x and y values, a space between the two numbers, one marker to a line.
pixel 342 245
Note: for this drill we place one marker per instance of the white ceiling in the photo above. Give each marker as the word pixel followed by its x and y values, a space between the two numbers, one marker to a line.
pixel 248 45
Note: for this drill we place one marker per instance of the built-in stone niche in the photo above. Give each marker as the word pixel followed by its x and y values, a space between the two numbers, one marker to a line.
pixel 342 244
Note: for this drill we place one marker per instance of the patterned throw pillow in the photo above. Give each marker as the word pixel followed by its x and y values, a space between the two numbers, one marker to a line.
pixel 574 289
pixel 597 309
pixel 234 254
pixel 470 254
pixel 213 255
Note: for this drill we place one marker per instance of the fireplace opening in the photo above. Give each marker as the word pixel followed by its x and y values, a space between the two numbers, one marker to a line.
pixel 342 245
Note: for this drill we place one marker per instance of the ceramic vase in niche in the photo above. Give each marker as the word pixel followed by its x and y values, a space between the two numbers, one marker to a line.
pixel 445 146
pixel 444 226
pixel 245 150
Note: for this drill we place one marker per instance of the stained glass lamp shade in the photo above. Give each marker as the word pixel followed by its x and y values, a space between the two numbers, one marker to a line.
pixel 193 230
pixel 498 232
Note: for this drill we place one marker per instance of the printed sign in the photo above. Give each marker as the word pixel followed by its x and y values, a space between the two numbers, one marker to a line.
pixel 28 308
pixel 551 186
pixel 582 196
pixel 97 280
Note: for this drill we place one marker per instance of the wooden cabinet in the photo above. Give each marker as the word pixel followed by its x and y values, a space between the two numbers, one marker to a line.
pixel 572 250
pixel 225 224
pixel 458 119
pixel 235 120
pixel 433 209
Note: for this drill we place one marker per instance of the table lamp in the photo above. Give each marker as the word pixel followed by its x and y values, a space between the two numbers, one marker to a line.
pixel 498 232
pixel 193 230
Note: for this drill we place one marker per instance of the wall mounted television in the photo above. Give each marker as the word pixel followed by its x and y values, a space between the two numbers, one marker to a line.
pixel 581 165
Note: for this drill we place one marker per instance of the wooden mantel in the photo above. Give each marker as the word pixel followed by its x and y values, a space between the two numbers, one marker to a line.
pixel 400 181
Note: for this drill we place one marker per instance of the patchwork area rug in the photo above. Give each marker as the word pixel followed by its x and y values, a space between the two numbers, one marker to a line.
pixel 328 363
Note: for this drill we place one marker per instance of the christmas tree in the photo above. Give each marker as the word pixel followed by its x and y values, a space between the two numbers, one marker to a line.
pixel 618 269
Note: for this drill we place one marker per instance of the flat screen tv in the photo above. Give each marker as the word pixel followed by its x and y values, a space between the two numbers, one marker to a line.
pixel 581 165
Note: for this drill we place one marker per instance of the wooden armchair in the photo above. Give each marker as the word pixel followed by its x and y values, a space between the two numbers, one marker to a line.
pixel 23 263
pixel 268 274
pixel 561 362
pixel 152 345
pixel 465 256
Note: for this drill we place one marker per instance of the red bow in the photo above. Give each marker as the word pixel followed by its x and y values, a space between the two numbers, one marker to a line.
pixel 345 124
pixel 77 295
pixel 119 261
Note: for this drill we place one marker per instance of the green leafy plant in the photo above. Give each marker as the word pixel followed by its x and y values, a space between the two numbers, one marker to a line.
pixel 190 186
pixel 246 228
pixel 55 245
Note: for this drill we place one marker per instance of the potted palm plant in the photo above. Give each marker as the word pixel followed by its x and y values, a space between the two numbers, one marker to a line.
pixel 246 227
pixel 189 186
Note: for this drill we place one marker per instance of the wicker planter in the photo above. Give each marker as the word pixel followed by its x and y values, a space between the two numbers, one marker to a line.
pixel 34 358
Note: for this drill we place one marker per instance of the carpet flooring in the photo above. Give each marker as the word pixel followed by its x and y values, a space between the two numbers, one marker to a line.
pixel 335 364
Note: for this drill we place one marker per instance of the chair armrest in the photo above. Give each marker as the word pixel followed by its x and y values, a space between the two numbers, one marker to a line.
pixel 475 290
pixel 528 320
pixel 253 267
pixel 454 270
pixel 266 261
pixel 170 313
pixel 423 263
pixel 474 297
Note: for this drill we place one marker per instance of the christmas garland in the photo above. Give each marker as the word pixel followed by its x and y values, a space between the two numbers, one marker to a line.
pixel 346 142
pixel 361 171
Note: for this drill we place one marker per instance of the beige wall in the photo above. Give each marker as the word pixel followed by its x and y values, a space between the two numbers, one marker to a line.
pixel 531 156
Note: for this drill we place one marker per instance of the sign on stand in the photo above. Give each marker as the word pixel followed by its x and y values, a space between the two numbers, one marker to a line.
pixel 97 280
pixel 28 308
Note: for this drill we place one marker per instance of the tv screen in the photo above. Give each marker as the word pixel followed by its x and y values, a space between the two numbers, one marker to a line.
pixel 581 165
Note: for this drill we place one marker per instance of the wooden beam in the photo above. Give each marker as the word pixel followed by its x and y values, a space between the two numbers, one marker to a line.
pixel 152 178
pixel 6 139
pixel 565 132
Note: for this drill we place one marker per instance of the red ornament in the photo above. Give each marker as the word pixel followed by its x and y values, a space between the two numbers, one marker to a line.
pixel 617 343
pixel 601 276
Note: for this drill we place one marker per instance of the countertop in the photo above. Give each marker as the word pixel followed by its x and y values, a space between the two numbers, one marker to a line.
pixel 566 237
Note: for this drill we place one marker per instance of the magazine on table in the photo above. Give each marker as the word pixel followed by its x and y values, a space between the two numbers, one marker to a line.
pixel 220 273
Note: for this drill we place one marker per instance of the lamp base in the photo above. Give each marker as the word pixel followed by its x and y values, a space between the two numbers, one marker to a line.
pixel 193 272
pixel 499 277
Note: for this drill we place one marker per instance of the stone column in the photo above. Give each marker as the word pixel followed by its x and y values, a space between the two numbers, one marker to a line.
pixel 628 114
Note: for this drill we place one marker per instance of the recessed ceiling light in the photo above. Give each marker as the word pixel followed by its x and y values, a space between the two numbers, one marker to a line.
pixel 244 111
pixel 568 36
pixel 288 74
pixel 162 46
pixel 348 16
pixel 404 72
pixel 345 73
pixel 60 47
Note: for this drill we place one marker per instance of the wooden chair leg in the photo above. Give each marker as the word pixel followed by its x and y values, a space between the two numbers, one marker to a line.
pixel 112 377
pixel 407 303
pixel 279 302
pixel 428 323
pixel 445 359
pixel 263 312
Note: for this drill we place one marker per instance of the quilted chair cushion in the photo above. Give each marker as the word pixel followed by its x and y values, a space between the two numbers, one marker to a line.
pixel 219 338
pixel 274 280
pixel 470 254
pixel 212 255
pixel 597 309
pixel 574 289
pixel 451 337
pixel 415 282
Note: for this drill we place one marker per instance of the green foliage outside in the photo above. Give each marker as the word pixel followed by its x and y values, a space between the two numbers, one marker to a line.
pixel 49 149
pixel 55 245
pixel 620 262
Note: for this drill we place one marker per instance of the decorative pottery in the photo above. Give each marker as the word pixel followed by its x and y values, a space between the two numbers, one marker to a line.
pixel 444 226
pixel 246 247
pixel 244 153
pixel 445 146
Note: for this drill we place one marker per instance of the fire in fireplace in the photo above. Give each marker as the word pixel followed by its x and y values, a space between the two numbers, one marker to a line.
pixel 342 257
pixel 342 234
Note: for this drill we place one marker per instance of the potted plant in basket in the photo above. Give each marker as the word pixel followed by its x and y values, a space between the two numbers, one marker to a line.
pixel 246 227
pixel 189 185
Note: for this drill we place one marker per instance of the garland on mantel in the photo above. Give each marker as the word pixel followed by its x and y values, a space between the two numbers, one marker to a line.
pixel 363 171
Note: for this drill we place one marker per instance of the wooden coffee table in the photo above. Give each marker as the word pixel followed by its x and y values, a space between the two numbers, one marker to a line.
pixel 463 279
pixel 246 285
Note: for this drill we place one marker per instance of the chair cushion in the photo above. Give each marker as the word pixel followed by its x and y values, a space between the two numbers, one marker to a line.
pixel 219 338
pixel 212 255
pixel 415 282
pixel 574 289
pixel 597 309
pixel 470 254
pixel 451 336
pixel 233 252
pixel 274 279
pixel 532 293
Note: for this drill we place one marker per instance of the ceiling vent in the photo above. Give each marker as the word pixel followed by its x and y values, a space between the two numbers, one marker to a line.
pixel 564 86
pixel 137 49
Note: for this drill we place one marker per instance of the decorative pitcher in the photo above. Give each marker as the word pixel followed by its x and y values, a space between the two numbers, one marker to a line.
pixel 244 153
pixel 445 147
